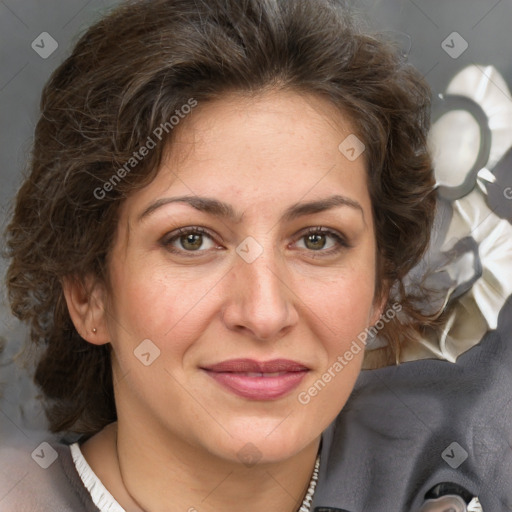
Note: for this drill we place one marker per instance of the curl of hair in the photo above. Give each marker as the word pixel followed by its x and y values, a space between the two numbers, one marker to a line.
pixel 127 75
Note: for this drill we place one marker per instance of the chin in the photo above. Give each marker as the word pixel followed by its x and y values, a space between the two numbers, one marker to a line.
pixel 259 441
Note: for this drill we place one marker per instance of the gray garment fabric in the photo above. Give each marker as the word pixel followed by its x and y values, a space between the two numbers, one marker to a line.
pixel 57 488
pixel 384 451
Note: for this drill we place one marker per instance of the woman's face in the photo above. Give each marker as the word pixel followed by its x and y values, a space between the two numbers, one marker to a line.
pixel 240 276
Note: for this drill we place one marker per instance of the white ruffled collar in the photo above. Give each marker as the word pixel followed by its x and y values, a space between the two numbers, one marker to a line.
pixel 99 494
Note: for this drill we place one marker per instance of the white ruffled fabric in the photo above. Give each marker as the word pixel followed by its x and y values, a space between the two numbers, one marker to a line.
pixel 99 494
pixel 453 139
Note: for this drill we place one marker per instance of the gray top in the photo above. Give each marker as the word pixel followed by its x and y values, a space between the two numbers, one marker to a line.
pixel 407 429
pixel 58 488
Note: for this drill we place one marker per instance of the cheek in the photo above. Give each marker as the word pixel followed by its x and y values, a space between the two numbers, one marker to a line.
pixel 339 314
pixel 151 304
pixel 342 305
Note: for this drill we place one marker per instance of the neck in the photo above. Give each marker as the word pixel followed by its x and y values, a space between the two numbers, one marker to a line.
pixel 152 475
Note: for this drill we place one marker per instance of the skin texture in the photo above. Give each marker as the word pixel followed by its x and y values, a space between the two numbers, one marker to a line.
pixel 179 432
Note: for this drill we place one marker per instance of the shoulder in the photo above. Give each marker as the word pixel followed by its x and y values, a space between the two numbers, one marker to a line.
pixel 41 478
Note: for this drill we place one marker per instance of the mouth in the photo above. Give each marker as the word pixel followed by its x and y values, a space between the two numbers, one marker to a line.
pixel 255 380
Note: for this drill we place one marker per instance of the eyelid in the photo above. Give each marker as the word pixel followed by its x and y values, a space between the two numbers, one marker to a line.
pixel 322 230
pixel 340 240
pixel 168 238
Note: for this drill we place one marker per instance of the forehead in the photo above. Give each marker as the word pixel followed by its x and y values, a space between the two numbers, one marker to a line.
pixel 269 149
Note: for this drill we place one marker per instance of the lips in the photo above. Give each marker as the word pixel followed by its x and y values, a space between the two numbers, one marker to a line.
pixel 252 366
pixel 255 380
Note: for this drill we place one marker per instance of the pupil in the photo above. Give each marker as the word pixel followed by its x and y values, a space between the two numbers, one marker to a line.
pixel 192 241
pixel 316 241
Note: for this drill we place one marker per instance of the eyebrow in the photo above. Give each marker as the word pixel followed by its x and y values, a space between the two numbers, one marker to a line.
pixel 220 209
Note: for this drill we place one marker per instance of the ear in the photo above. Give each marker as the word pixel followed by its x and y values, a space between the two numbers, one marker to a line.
pixel 86 301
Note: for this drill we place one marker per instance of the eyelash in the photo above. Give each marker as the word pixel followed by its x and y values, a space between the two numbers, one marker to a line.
pixel 341 242
pixel 167 240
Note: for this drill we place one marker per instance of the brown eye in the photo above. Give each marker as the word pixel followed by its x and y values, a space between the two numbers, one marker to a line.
pixel 193 239
pixel 321 242
pixel 315 241
pixel 191 242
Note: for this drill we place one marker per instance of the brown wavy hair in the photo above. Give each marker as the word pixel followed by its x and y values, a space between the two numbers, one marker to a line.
pixel 128 74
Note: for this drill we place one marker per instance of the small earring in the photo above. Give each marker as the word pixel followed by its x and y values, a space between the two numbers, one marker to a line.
pixel 94 330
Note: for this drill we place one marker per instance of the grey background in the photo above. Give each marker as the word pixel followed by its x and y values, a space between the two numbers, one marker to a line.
pixel 420 26
pixel 23 73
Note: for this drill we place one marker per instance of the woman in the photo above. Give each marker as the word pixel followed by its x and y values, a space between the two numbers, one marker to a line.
pixel 224 198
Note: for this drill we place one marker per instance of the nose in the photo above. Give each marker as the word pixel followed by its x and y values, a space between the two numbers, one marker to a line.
pixel 261 301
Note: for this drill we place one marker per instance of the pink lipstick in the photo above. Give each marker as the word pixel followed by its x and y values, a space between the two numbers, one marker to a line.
pixel 268 380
